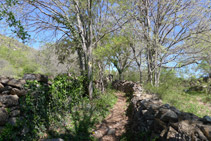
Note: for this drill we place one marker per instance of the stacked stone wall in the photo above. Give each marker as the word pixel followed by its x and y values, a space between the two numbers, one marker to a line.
pixel 11 90
pixel 149 115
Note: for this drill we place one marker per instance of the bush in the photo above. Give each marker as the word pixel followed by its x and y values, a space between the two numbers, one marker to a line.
pixel 59 110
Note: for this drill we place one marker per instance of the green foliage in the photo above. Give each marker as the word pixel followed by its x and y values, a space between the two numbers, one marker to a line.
pixel 17 59
pixel 7 133
pixel 205 67
pixel 12 21
pixel 173 90
pixel 59 110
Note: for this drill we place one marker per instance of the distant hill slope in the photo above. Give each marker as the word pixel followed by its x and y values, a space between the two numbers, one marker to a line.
pixel 12 43
pixel 16 58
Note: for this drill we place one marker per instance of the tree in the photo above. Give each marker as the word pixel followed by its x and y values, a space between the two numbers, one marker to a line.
pixel 83 22
pixel 118 53
pixel 54 59
pixel 8 15
pixel 164 26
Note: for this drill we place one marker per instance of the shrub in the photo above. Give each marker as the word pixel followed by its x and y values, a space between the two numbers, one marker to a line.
pixel 59 110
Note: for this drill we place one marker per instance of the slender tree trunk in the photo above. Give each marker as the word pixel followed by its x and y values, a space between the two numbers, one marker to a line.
pixel 156 69
pixel 150 65
pixel 140 70
pixel 120 75
pixel 81 64
pixel 141 76
pixel 101 70
pixel 89 73
pixel 91 36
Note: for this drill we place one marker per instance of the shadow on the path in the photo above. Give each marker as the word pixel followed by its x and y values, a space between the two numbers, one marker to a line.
pixel 131 134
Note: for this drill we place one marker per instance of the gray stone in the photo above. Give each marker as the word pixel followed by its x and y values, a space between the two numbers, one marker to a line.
pixel 166 106
pixel 207 131
pixel 14 108
pixel 18 92
pixel 9 100
pixel 159 125
pixel 1 105
pixel 169 116
pixel 172 133
pixel 207 119
pixel 38 77
pixel 175 110
pixel 13 121
pixel 3 116
pixel 200 135
pixel 5 93
pixel 4 80
pixel 111 131
pixel 143 111
pixel 16 83
pixel 6 90
pixel 1 86
pixel 15 113
pixel 189 116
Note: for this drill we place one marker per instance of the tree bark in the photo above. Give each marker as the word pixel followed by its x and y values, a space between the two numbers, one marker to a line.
pixel 120 75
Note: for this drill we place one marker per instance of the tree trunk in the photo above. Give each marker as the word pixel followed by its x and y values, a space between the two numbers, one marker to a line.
pixel 150 66
pixel 81 64
pixel 120 75
pixel 140 70
pixel 141 76
pixel 101 70
pixel 89 72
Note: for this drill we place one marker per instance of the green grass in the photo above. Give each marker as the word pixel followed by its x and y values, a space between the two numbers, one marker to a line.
pixel 195 102
pixel 80 123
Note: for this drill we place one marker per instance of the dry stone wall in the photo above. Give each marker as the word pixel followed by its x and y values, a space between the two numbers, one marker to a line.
pixel 162 121
pixel 10 91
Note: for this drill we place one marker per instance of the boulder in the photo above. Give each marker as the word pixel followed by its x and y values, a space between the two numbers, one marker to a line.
pixel 207 119
pixel 6 90
pixel 169 116
pixel 16 83
pixel 18 92
pixel 3 116
pixel 9 100
pixel 4 80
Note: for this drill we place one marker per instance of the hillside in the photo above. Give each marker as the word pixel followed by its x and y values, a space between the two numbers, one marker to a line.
pixel 16 58
pixel 13 43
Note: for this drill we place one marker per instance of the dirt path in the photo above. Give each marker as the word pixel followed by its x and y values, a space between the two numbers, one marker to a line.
pixel 114 125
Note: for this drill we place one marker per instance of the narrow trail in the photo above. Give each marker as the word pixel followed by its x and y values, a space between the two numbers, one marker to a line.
pixel 113 126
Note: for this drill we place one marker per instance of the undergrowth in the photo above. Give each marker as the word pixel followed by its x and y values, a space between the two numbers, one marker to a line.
pixel 173 90
pixel 61 110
